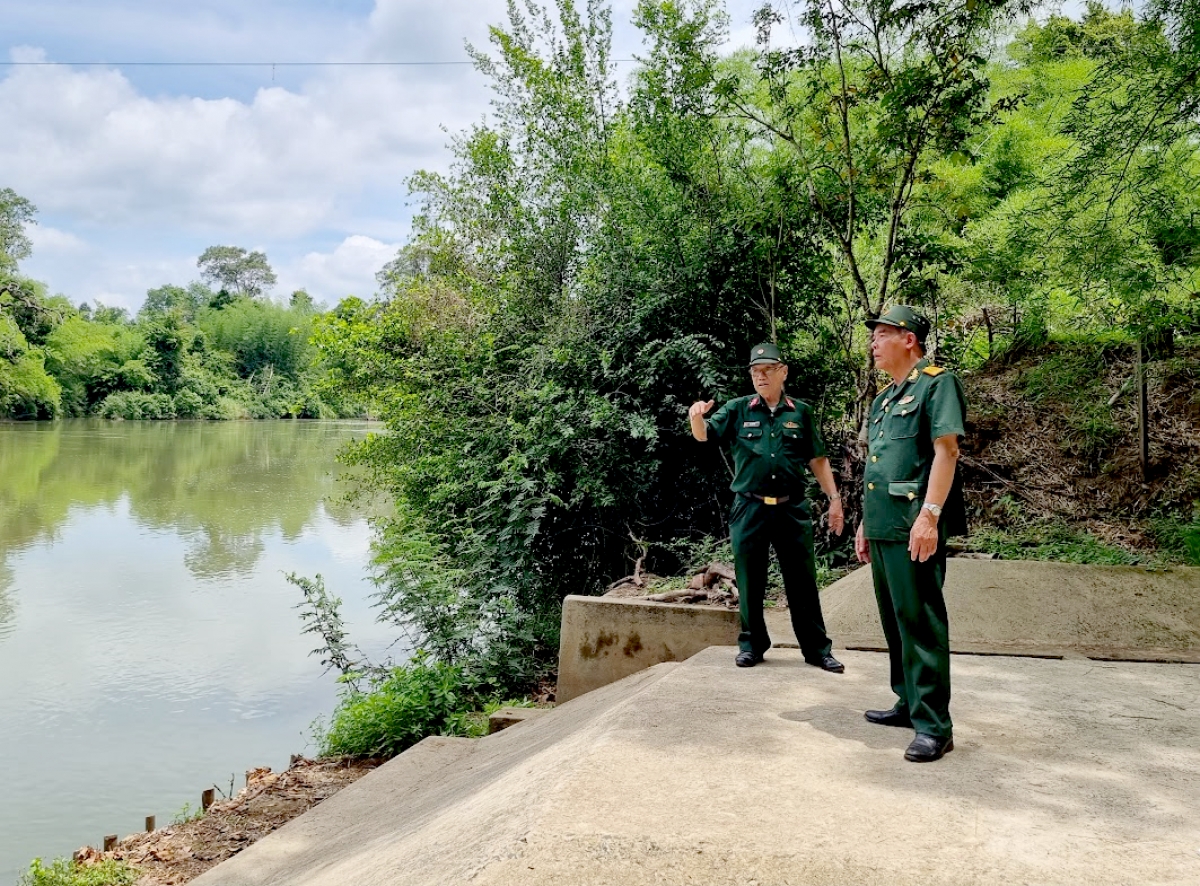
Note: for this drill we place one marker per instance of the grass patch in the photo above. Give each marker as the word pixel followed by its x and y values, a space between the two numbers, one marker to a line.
pixel 65 872
pixel 1178 539
pixel 1047 540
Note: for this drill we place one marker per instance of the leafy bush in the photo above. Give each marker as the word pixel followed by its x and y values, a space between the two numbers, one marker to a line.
pixel 65 872
pixel 422 699
pixel 135 406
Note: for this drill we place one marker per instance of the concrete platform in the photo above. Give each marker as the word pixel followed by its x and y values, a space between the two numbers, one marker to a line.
pixel 1066 772
pixel 1026 607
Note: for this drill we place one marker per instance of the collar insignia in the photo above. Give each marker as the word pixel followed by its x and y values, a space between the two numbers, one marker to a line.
pixel 753 402
pixel 912 376
pixel 789 402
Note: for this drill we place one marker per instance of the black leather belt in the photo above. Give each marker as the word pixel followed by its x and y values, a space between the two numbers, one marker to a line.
pixel 767 499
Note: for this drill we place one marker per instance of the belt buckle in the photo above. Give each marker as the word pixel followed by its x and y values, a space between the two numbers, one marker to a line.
pixel 770 500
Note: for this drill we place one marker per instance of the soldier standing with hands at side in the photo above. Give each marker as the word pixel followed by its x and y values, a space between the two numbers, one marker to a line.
pixel 772 437
pixel 912 436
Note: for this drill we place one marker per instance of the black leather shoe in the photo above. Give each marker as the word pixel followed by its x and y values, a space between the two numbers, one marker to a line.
pixel 747 659
pixel 894 717
pixel 827 663
pixel 927 748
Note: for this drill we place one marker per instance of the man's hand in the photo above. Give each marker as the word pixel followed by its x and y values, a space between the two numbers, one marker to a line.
pixel 696 418
pixel 861 548
pixel 837 520
pixel 923 538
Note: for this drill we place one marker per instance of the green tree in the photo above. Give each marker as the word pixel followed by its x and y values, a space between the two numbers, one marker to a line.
pixel 236 271
pixel 186 300
pixel 15 214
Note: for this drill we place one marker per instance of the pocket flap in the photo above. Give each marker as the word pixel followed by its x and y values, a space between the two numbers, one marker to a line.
pixel 909 490
pixel 750 433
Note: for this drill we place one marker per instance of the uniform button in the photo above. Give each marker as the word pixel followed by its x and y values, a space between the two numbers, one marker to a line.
pixel 911 496
pixel 874 458
pixel 881 433
pixel 887 409
pixel 870 485
pixel 772 455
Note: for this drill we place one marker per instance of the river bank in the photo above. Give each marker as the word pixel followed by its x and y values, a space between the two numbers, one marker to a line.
pixel 181 852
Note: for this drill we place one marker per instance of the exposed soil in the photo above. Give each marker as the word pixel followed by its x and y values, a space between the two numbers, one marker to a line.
pixel 1046 455
pixel 182 852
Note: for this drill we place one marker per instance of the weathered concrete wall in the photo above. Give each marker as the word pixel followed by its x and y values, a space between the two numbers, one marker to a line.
pixel 606 638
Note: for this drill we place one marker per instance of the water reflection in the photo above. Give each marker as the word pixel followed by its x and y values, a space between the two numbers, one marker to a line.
pixel 149 644
pixel 225 483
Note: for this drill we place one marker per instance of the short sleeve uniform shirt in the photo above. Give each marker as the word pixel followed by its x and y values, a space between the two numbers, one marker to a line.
pixel 771 448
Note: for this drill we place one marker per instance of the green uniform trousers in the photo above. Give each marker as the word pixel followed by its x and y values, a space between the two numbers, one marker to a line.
pixel 913 612
pixel 755 528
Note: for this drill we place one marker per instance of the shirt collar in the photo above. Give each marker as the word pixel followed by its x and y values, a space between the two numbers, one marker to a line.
pixel 783 401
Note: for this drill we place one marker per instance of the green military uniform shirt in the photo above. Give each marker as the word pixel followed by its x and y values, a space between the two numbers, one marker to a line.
pixel 771 449
pixel 905 420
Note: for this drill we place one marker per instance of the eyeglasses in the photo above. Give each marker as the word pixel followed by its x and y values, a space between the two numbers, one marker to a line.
pixel 770 369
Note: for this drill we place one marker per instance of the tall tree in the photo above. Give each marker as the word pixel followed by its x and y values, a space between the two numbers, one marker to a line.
pixel 15 214
pixel 236 271
pixel 885 90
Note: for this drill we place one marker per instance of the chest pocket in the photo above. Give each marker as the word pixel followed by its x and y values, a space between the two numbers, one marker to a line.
pixel 793 441
pixel 905 422
pixel 751 438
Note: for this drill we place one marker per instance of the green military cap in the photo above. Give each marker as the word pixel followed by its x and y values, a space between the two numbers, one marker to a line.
pixel 765 353
pixel 903 317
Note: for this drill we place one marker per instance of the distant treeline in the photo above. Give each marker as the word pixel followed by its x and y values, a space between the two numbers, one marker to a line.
pixel 198 351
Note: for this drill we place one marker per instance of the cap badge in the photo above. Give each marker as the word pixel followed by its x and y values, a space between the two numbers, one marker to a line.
pixel 760 350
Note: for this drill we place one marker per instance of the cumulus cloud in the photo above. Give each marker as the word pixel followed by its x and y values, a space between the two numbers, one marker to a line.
pixel 349 269
pixel 136 177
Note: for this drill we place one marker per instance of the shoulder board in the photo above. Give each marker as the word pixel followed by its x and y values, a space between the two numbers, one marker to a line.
pixel 933 370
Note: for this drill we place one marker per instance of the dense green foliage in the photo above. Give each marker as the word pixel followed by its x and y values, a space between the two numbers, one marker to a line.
pixel 400 708
pixel 599 256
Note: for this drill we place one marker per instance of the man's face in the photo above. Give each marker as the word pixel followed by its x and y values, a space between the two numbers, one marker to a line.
pixel 768 379
pixel 892 348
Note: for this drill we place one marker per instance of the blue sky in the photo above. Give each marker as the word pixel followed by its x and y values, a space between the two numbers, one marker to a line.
pixel 135 170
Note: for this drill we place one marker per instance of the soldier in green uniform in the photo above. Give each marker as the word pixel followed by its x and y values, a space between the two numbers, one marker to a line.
pixel 772 436
pixel 912 436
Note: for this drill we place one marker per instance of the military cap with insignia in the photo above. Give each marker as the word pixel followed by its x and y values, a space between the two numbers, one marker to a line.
pixel 903 317
pixel 765 353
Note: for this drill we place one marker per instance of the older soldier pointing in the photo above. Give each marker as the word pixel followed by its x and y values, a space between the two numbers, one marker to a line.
pixel 772 436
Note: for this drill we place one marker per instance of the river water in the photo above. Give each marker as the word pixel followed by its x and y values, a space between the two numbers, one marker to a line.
pixel 149 643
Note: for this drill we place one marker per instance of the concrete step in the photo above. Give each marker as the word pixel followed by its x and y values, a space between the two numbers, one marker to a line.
pixel 446 804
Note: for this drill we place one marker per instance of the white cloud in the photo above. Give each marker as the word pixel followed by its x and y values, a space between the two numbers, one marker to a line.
pixel 348 270
pixel 136 179
pixel 56 243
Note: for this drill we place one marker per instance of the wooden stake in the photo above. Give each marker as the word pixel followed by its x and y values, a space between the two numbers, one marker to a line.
pixel 149 823
pixel 206 799
pixel 110 842
pixel 1143 413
